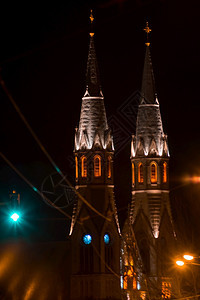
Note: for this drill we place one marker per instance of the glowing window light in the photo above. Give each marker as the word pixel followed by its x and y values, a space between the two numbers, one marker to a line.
pixel 138 286
pixel 109 167
pixel 133 173
pixel 76 166
pixel 83 166
pixel 134 283
pixel 153 172
pixel 164 172
pixel 166 290
pixel 14 217
pixel 188 257
pixel 140 173
pixel 106 239
pixel 97 166
pixel 87 239
pixel 180 263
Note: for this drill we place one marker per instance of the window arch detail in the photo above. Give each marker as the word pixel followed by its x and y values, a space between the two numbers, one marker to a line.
pixel 83 166
pixel 97 166
pixel 154 172
pixel 109 166
pixel 164 172
pixel 140 173
pixel 76 167
pixel 133 173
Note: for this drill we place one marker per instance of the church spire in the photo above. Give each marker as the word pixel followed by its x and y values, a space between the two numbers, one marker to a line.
pixel 148 83
pixel 93 127
pixel 93 86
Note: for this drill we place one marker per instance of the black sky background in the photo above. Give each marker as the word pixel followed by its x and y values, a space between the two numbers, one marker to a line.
pixel 43 56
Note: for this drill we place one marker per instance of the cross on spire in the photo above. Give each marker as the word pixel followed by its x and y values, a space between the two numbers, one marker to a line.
pixel 91 20
pixel 147 30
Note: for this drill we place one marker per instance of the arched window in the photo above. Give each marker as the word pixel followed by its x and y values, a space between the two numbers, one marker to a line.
pixel 86 254
pixel 97 166
pixel 133 174
pixel 83 166
pixel 109 167
pixel 76 167
pixel 140 173
pixel 164 172
pixel 153 172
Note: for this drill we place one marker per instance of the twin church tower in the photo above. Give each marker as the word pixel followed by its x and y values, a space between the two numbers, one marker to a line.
pixel 108 263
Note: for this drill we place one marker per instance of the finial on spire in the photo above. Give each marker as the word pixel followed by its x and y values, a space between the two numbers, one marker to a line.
pixel 91 20
pixel 147 30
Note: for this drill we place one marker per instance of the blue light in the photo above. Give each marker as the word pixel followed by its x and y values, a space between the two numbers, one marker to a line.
pixel 87 239
pixel 15 217
pixel 106 239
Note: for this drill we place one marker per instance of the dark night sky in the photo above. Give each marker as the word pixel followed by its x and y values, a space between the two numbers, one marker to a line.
pixel 43 57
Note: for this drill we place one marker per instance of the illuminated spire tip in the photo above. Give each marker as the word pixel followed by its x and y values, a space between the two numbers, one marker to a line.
pixel 147 30
pixel 91 16
pixel 91 20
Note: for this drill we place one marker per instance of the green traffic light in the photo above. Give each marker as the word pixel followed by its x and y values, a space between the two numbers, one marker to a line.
pixel 14 217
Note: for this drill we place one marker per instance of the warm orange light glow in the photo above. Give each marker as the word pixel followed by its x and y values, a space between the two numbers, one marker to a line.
pixel 14 192
pixel 125 283
pixel 30 290
pixel 97 166
pixel 180 263
pixel 134 283
pixel 76 166
pixel 143 295
pixel 83 166
pixel 192 179
pixel 153 172
pixel 133 173
pixel 166 290
pixel 109 167
pixel 188 257
pixel 140 173
pixel 164 172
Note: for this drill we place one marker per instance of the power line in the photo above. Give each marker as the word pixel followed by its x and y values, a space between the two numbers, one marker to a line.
pixel 55 206
pixel 10 97
pixel 32 186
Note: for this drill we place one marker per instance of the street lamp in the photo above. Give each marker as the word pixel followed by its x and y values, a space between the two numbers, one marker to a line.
pixel 180 263
pixel 188 257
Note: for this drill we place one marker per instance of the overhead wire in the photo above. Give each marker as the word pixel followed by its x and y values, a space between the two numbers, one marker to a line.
pixel 55 206
pixel 57 170
pixel 32 186
pixel 10 97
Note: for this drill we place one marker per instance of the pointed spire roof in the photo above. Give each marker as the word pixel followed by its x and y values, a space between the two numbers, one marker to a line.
pixel 149 127
pixel 93 114
pixel 148 83
pixel 93 85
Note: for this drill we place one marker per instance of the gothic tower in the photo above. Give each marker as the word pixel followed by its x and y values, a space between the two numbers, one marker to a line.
pixel 95 232
pixel 150 214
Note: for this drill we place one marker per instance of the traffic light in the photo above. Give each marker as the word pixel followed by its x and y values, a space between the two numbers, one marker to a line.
pixel 14 217
pixel 14 206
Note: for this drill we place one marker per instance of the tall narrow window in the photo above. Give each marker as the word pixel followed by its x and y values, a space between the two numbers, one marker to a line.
pixel 109 167
pixel 154 172
pixel 133 174
pixel 76 167
pixel 83 166
pixel 140 173
pixel 97 166
pixel 164 172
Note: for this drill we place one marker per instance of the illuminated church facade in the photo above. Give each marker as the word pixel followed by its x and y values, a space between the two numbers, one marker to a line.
pixel 108 263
